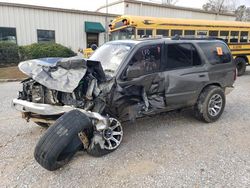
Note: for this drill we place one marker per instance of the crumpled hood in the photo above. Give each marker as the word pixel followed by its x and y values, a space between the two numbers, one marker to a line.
pixel 62 74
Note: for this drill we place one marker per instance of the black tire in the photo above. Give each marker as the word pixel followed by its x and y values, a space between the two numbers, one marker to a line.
pixel 201 109
pixel 44 125
pixel 60 142
pixel 240 65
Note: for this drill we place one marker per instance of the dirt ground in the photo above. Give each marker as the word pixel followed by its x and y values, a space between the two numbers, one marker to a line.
pixel 168 150
pixel 11 73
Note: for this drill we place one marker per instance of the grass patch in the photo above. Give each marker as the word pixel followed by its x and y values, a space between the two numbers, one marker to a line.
pixel 11 73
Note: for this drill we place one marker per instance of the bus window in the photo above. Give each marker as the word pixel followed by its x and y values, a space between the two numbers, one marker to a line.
pixel 162 32
pixel 142 33
pixel 224 35
pixel 234 36
pixel 202 33
pixel 189 32
pixel 213 33
pixel 176 32
pixel 243 36
pixel 149 32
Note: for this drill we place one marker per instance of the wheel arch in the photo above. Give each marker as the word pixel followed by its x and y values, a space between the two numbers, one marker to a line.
pixel 243 57
pixel 208 85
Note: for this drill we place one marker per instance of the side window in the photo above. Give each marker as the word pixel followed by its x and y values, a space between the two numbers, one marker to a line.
pixel 215 52
pixel 234 36
pixel 176 32
pixel 162 32
pixel 146 60
pixel 224 35
pixel 213 33
pixel 181 56
pixel 243 36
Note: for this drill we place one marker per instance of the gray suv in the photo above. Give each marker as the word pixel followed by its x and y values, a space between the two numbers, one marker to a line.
pixel 123 80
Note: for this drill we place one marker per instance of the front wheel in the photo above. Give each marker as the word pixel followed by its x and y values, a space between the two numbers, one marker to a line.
pixel 61 141
pixel 210 104
pixel 106 141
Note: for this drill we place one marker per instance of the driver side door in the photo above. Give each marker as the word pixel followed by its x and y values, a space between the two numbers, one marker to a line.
pixel 140 88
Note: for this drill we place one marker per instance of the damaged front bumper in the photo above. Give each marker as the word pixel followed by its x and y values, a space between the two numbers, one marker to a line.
pixel 23 106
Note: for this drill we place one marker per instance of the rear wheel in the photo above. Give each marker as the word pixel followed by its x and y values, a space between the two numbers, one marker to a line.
pixel 61 141
pixel 210 104
pixel 240 65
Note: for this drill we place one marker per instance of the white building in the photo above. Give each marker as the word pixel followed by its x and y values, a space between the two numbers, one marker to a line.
pixel 27 24
pixel 140 8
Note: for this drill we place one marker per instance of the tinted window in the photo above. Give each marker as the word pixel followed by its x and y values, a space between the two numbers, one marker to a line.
pixel 216 52
pixel 45 36
pixel 140 32
pixel 234 36
pixel 176 32
pixel 8 34
pixel 143 33
pixel 213 33
pixel 149 32
pixel 146 60
pixel 189 32
pixel 162 32
pixel 202 33
pixel 224 35
pixel 243 36
pixel 181 55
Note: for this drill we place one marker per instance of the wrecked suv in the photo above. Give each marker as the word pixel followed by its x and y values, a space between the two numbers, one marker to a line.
pixel 86 100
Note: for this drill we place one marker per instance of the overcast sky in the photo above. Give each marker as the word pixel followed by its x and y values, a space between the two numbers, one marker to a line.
pixel 92 5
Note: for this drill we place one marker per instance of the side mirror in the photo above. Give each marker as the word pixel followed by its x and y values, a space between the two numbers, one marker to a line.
pixel 133 72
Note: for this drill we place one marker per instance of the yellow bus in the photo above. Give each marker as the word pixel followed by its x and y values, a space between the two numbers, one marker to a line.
pixel 236 34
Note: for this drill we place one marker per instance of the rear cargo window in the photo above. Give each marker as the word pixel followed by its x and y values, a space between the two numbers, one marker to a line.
pixel 216 52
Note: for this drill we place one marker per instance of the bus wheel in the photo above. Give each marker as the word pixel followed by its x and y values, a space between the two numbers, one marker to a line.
pixel 240 65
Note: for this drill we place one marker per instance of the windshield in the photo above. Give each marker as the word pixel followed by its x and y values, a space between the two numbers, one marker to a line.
pixel 111 55
pixel 126 33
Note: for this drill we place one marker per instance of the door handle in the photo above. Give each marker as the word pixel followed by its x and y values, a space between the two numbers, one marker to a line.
pixel 202 75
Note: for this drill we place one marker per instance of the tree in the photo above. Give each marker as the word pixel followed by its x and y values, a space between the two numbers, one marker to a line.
pixel 220 6
pixel 242 13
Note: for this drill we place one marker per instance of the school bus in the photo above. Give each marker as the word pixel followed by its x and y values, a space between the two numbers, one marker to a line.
pixel 236 34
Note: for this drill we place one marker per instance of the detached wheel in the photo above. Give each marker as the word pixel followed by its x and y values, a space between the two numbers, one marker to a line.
pixel 61 141
pixel 107 141
pixel 210 104
pixel 240 65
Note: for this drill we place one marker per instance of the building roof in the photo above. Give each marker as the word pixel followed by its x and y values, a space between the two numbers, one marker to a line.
pixel 166 6
pixel 56 9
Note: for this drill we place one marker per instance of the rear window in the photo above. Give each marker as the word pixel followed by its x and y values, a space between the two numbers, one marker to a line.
pixel 216 52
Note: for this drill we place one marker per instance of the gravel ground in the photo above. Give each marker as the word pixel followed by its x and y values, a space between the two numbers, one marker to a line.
pixel 168 150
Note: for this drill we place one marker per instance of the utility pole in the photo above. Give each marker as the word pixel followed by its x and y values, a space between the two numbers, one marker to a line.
pixel 106 24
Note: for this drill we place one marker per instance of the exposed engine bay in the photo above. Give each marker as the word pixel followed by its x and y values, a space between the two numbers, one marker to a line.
pixel 59 81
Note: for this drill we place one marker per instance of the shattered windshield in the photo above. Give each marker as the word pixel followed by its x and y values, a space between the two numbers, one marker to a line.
pixel 111 55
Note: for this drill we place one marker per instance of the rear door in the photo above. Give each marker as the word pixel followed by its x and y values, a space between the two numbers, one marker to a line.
pixel 185 73
pixel 221 69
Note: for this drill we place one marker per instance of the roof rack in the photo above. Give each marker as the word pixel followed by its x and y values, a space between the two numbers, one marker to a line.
pixel 177 37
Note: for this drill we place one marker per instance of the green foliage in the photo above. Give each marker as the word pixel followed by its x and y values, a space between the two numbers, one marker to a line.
pixel 41 50
pixel 8 53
